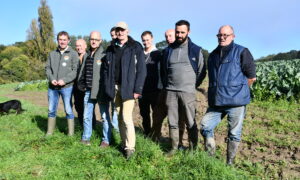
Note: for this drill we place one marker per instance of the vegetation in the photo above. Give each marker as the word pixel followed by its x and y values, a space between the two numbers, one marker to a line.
pixel 41 35
pixel 277 79
pixel 15 66
pixel 293 54
pixel 25 153
pixel 37 85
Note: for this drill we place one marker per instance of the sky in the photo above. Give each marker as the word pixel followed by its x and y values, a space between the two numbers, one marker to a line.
pixel 263 26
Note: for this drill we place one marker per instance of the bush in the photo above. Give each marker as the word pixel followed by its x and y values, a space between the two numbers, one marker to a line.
pixel 33 85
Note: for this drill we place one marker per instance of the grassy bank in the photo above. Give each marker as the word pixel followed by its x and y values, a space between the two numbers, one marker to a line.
pixel 25 154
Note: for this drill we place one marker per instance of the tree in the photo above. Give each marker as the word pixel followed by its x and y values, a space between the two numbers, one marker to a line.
pixel 10 52
pixel 41 34
pixel 46 29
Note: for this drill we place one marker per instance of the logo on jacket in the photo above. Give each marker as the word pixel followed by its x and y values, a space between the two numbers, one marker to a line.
pixel 66 58
pixel 98 62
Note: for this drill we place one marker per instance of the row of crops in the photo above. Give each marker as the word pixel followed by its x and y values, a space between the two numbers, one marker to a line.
pixel 277 80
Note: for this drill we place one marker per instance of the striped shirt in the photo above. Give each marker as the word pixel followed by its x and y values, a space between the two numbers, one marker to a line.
pixel 89 71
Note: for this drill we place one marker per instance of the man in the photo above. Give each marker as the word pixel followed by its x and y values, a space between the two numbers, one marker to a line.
pixel 161 112
pixel 125 73
pixel 79 95
pixel 114 113
pixel 150 92
pixel 61 70
pixel 113 33
pixel 89 81
pixel 184 70
pixel 231 70
pixel 170 36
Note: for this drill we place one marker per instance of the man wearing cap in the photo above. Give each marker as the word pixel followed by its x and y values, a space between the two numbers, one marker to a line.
pixel 61 70
pixel 125 73
pixel 183 71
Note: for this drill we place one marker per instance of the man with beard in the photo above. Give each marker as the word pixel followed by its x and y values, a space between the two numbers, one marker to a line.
pixel 231 71
pixel 183 71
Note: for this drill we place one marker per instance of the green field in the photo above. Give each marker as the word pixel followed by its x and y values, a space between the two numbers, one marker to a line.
pixel 270 149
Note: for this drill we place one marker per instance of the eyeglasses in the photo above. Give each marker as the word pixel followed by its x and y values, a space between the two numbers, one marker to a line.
pixel 224 35
pixel 95 39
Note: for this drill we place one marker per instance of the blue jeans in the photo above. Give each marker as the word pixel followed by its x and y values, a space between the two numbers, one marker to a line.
pixel 88 113
pixel 107 125
pixel 89 105
pixel 214 116
pixel 114 115
pixel 53 98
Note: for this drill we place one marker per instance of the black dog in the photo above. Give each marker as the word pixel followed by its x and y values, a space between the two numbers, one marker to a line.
pixel 12 104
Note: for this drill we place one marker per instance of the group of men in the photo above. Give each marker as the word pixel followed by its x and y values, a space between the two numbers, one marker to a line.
pixel 162 81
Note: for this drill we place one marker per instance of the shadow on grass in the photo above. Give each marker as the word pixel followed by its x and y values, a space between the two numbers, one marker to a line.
pixel 61 124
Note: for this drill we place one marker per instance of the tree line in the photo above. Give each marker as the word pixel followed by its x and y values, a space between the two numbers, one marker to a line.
pixel 293 54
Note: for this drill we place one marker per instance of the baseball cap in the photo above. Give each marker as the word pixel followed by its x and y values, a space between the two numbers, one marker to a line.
pixel 122 25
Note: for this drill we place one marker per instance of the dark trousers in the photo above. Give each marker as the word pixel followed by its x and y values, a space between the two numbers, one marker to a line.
pixel 147 103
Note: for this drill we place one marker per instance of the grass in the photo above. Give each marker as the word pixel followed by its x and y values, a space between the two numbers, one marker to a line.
pixel 25 153
pixel 270 136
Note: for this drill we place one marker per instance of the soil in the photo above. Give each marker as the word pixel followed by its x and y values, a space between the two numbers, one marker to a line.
pixel 271 157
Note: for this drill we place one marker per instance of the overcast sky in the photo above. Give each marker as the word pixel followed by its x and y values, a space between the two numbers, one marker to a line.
pixel 264 26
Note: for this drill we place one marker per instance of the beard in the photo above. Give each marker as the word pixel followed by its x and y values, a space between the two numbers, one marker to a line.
pixel 181 40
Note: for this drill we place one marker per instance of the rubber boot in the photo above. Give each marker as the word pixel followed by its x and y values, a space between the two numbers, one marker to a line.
pixel 174 134
pixel 232 147
pixel 193 138
pixel 51 126
pixel 71 127
pixel 210 146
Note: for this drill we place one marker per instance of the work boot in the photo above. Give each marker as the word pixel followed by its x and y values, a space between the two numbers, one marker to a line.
pixel 71 127
pixel 232 147
pixel 174 134
pixel 193 138
pixel 129 153
pixel 210 146
pixel 51 125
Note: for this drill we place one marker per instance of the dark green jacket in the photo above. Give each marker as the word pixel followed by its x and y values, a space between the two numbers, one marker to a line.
pixel 62 67
pixel 98 55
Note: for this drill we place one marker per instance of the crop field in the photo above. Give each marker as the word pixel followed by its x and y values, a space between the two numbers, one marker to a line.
pixel 277 79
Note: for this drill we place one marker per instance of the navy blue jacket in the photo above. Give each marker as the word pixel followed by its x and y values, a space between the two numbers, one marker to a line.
pixel 133 70
pixel 228 85
pixel 193 52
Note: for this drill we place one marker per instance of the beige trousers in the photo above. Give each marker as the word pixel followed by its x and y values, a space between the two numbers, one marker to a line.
pixel 126 126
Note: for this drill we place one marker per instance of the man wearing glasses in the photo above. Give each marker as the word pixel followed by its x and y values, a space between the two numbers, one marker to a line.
pixel 125 72
pixel 89 82
pixel 231 70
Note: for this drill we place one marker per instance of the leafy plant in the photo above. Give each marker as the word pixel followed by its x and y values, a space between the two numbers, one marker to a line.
pixel 277 80
pixel 32 85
